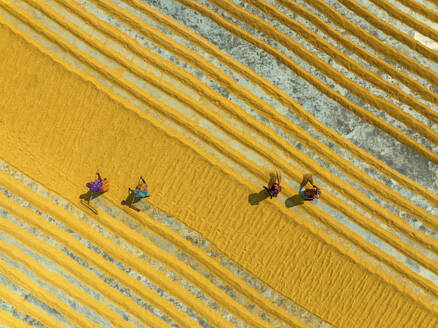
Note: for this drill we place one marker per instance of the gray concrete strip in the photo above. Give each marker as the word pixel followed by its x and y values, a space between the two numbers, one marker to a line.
pixel 352 226
pixel 204 123
pixel 231 142
pixel 163 244
pixel 177 11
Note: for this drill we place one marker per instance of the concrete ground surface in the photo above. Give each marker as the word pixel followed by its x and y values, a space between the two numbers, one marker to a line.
pixel 369 138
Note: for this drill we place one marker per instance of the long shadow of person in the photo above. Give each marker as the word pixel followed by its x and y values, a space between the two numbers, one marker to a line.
pixel 295 200
pixel 130 200
pixel 256 198
pixel 89 195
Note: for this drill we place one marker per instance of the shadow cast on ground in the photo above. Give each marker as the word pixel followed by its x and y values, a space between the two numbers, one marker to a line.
pixel 255 199
pixel 295 200
pixel 89 195
pixel 130 199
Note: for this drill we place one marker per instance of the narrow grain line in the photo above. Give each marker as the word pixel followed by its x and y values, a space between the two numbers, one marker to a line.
pixel 344 60
pixel 384 67
pixel 360 92
pixel 22 305
pixel 331 224
pixel 142 267
pixel 43 295
pixel 433 2
pixel 38 201
pixel 398 288
pixel 408 19
pixel 150 249
pixel 213 266
pixel 275 92
pixel 363 114
pixel 106 267
pixel 300 134
pixel 421 9
pixel 93 281
pixel 379 46
pixel 432 219
pixel 391 219
pixel 58 281
pixel 8 319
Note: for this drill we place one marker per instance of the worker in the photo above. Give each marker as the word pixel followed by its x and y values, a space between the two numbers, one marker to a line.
pixel 275 189
pixel 141 191
pixel 309 194
pixel 98 186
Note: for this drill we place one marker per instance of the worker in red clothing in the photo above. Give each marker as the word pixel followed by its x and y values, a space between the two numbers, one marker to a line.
pixel 309 194
pixel 275 189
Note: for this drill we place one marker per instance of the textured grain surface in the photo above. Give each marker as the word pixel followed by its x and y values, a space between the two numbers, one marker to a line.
pixel 136 88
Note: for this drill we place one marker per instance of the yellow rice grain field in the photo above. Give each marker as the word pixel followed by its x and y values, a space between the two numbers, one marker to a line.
pixel 206 99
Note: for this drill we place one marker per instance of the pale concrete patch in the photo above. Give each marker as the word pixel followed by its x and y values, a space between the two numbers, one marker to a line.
pixel 425 40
